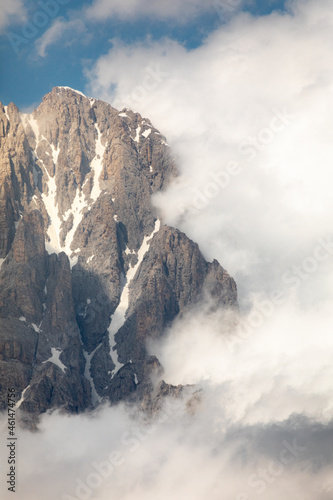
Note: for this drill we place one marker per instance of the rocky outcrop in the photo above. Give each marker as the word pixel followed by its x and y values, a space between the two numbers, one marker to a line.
pixel 36 310
pixel 88 271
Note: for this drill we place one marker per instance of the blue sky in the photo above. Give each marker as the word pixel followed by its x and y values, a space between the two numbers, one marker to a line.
pixel 29 74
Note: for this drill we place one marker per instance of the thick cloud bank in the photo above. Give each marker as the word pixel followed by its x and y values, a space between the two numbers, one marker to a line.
pixel 258 424
pixel 249 117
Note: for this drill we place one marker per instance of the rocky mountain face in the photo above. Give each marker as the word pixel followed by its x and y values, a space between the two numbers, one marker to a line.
pixel 88 271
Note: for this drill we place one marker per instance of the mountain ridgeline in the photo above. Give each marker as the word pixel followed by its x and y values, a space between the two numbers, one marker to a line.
pixel 88 271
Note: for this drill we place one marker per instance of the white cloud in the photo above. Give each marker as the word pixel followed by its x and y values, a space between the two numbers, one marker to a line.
pixel 11 12
pixel 179 456
pixel 263 373
pixel 258 94
pixel 58 31
pixel 178 10
pixel 211 101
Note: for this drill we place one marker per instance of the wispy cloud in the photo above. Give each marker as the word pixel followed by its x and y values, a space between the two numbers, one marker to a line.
pixel 179 11
pixel 12 12
pixel 60 31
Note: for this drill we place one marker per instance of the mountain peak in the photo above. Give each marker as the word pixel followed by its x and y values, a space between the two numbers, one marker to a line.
pixel 70 90
pixel 89 273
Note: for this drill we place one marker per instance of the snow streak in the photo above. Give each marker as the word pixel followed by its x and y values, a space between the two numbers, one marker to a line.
pixel 80 202
pixel 119 316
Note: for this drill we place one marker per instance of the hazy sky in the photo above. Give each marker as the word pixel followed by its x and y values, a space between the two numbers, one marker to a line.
pixel 243 93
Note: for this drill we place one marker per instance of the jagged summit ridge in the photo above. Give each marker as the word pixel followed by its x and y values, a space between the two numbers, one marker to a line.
pixel 73 90
pixel 82 171
pixel 88 271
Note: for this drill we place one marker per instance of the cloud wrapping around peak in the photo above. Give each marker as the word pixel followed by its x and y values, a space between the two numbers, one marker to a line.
pixel 261 371
pixel 248 115
pixel 182 454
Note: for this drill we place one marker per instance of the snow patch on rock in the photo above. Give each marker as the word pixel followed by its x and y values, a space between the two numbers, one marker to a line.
pixel 20 401
pixel 97 165
pixel 55 359
pixel 87 373
pixel 146 133
pixel 5 108
pixel 137 137
pixel 73 90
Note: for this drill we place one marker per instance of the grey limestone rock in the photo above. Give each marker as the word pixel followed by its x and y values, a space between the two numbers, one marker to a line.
pixel 88 271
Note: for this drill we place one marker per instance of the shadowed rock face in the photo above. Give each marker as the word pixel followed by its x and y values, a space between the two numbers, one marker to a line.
pixel 88 271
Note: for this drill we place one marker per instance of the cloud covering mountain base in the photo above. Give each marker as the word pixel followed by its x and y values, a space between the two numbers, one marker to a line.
pixel 260 423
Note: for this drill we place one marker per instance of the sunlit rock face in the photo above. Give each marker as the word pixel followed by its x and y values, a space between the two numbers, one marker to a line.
pixel 89 272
